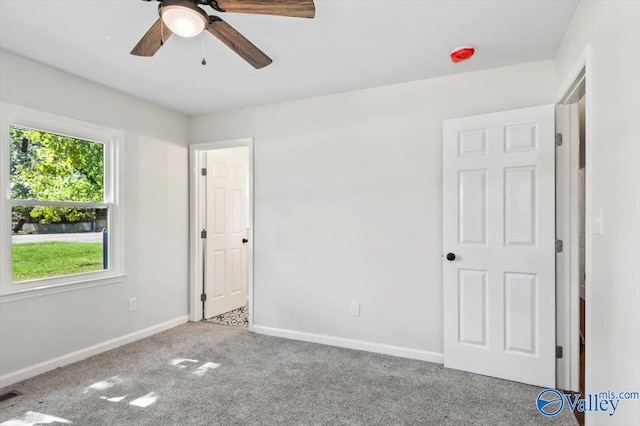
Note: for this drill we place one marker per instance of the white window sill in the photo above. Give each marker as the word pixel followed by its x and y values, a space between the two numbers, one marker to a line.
pixel 48 290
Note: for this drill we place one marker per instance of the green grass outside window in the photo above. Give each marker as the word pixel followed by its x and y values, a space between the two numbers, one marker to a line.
pixel 52 259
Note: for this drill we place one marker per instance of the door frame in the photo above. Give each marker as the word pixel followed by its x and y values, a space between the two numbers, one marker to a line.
pixel 196 264
pixel 568 315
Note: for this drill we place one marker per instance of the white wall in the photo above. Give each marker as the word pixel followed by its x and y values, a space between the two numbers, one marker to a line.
pixel 612 28
pixel 348 203
pixel 39 329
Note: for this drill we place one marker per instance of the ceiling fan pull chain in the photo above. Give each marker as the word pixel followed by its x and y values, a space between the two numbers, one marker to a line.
pixel 162 34
pixel 204 61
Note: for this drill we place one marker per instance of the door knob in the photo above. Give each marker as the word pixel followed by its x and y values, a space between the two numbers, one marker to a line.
pixel 245 241
pixel 451 257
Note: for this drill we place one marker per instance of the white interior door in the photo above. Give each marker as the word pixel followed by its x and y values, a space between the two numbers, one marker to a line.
pixel 498 222
pixel 225 274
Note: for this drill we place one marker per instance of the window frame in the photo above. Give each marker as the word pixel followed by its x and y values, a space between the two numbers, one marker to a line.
pixel 113 141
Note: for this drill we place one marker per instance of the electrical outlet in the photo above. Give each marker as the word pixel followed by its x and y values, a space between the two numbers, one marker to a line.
pixel 355 309
pixel 133 304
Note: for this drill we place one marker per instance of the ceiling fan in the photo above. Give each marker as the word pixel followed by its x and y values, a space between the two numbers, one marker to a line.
pixel 185 18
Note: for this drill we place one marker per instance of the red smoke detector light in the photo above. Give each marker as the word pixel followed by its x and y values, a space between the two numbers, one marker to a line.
pixel 462 53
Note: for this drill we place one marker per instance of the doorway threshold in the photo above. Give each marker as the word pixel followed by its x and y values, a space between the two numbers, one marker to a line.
pixel 236 318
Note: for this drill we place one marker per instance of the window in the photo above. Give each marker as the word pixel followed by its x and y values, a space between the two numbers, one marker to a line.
pixel 61 204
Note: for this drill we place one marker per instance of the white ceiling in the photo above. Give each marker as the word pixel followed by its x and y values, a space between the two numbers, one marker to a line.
pixel 349 45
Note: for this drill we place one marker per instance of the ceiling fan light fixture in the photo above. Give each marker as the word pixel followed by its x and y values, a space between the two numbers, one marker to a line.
pixel 183 18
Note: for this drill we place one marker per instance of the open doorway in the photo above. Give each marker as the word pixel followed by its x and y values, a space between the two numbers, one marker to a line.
pixel 221 232
pixel 572 219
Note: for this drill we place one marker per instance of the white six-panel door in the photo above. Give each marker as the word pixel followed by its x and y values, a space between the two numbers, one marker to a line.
pixel 498 222
pixel 225 274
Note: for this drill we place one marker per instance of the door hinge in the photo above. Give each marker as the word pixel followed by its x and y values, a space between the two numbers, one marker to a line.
pixel 203 297
pixel 203 233
pixel 558 139
pixel 559 352
pixel 203 172
pixel 559 246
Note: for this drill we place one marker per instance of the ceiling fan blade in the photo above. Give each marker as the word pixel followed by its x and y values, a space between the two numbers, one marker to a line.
pixel 295 8
pixel 238 43
pixel 152 40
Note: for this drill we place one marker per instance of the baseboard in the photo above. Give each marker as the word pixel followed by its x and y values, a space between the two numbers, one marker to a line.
pixel 43 367
pixel 379 348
